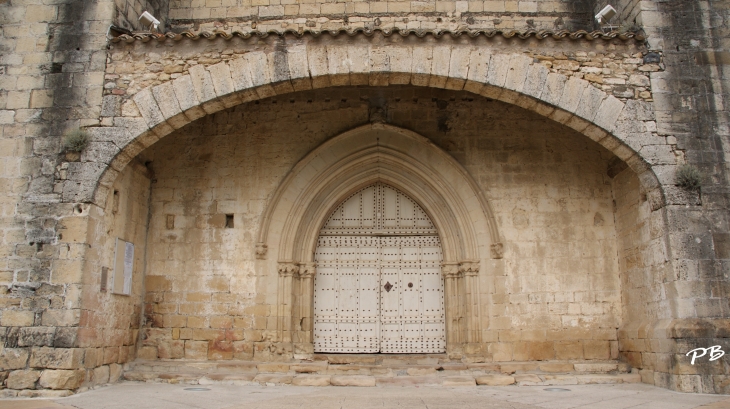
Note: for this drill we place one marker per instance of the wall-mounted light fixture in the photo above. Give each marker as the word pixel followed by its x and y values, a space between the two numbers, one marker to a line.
pixel 149 21
pixel 605 15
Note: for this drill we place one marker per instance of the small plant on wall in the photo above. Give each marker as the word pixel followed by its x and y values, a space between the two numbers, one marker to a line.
pixel 689 177
pixel 75 140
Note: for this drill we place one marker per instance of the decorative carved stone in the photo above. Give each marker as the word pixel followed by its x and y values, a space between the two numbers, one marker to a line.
pixel 288 268
pixel 497 250
pixel 307 270
pixel 469 268
pixel 261 250
pixel 450 270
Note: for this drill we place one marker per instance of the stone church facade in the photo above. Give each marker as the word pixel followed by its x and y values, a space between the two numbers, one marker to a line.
pixel 272 184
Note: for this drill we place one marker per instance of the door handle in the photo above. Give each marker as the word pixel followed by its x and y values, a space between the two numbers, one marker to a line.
pixel 388 286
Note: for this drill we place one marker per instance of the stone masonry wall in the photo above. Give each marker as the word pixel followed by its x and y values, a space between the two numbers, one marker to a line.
pixel 51 78
pixel 109 322
pixel 557 296
pixel 315 14
pixel 617 68
pixel 691 109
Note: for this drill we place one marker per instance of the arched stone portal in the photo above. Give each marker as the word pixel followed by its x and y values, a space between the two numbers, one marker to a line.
pixel 379 153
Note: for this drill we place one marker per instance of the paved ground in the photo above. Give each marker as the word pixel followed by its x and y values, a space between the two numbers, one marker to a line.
pixel 165 396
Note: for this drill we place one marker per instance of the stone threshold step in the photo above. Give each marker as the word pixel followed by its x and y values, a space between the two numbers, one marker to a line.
pixel 327 368
pixel 364 380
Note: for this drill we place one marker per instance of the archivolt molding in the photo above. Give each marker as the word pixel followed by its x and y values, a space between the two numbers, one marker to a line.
pixel 365 155
pixel 626 129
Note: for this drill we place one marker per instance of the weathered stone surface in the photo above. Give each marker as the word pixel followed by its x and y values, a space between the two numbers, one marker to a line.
pixel 352 380
pixel 56 358
pixel 494 380
pixel 459 381
pixel 22 379
pixel 273 378
pixel 311 380
pixel 14 358
pixel 62 379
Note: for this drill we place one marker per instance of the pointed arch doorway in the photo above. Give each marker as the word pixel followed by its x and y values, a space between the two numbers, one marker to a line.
pixel 378 286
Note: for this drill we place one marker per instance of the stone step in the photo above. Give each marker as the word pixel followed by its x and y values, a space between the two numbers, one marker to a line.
pixel 376 371
pixel 385 368
pixel 365 380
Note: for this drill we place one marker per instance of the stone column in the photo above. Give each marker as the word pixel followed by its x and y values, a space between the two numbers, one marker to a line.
pixel 450 272
pixel 287 269
pixel 470 272
pixel 306 300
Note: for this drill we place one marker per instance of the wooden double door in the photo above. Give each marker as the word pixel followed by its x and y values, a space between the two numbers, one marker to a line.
pixel 378 286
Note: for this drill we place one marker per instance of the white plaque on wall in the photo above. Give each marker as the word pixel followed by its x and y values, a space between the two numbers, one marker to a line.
pixel 123 266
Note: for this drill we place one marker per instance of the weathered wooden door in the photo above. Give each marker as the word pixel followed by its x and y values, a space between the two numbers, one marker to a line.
pixel 378 286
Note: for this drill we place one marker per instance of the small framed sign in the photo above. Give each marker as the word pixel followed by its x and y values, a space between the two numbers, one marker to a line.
pixel 123 267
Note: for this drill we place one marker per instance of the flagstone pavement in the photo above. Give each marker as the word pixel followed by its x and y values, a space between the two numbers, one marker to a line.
pixel 132 395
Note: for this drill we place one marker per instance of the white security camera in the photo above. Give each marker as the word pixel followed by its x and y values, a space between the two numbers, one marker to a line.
pixel 605 15
pixel 149 21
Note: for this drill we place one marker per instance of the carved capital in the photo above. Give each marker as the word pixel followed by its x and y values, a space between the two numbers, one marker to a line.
pixel 497 250
pixel 450 270
pixel 307 270
pixel 288 268
pixel 261 250
pixel 469 267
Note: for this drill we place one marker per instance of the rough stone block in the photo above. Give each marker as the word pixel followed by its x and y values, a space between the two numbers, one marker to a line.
pixel 57 358
pixel 299 67
pixel 440 65
pixel 311 380
pixel 518 67
pixel 22 379
pixel 421 68
pixel 150 111
pixel 554 87
pixel 590 103
pixel 498 68
pixel 339 65
pixel 401 62
pixel 13 358
pixel 36 336
pixel 220 74
pixel 169 106
pixel 352 380
pixel 100 375
pixel 459 381
pixel 260 73
pixel 572 94
pixel 64 318
pixel 17 318
pixel 62 379
pixel 317 60
pixel 274 379
pixel 204 89
pixel 478 70
pixel 495 380
pixel 535 81
pixel 458 67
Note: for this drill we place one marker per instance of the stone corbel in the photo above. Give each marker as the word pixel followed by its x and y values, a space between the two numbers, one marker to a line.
pixel 497 250
pixel 261 250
